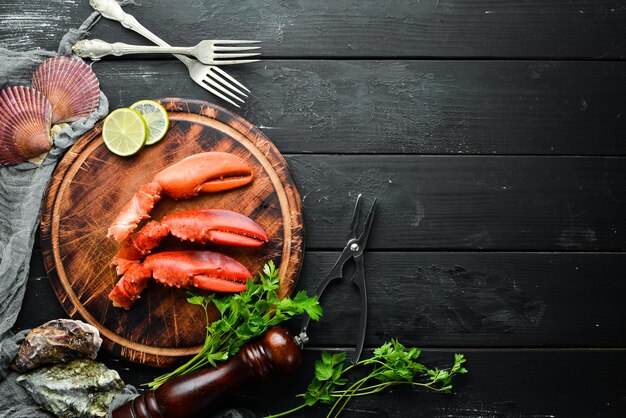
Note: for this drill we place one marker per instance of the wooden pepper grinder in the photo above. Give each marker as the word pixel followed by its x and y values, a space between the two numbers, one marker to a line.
pixel 195 394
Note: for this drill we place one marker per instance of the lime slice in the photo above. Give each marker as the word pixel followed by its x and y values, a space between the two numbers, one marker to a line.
pixel 124 131
pixel 156 117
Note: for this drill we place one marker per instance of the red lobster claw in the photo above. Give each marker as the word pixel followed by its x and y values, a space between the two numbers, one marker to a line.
pixel 203 226
pixel 205 270
pixel 204 172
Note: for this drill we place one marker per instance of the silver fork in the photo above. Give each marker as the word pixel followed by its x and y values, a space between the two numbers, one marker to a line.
pixel 209 77
pixel 213 52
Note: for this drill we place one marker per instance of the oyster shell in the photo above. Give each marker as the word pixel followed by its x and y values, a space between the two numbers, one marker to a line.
pixel 71 87
pixel 81 388
pixel 57 341
pixel 25 120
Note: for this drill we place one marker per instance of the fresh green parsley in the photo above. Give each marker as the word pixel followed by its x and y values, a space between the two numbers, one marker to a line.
pixel 391 364
pixel 243 316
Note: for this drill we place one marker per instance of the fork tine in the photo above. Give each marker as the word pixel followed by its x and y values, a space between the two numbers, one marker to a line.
pixel 206 84
pixel 228 76
pixel 228 55
pixel 234 62
pixel 227 84
pixel 235 48
pixel 234 41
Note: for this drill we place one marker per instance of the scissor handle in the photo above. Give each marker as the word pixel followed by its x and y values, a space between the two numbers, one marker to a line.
pixel 334 274
pixel 359 281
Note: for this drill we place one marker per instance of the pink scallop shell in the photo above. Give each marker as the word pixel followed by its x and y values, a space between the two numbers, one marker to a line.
pixel 25 121
pixel 71 87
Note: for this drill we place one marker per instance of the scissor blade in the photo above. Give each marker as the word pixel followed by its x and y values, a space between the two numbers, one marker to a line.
pixel 368 225
pixel 352 232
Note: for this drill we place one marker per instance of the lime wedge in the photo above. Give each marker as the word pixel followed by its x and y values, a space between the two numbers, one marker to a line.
pixel 156 117
pixel 124 131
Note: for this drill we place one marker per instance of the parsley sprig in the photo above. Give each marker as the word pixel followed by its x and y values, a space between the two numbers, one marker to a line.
pixel 392 363
pixel 243 316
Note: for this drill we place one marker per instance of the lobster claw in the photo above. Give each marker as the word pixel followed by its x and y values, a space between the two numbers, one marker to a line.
pixel 203 226
pixel 204 172
pixel 206 270
pixel 180 268
pixel 217 226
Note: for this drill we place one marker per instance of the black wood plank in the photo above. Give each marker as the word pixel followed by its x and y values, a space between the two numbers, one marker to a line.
pixel 434 107
pixel 450 299
pixel 467 203
pixel 427 28
pixel 39 24
pixel 477 299
pixel 500 384
pixel 506 383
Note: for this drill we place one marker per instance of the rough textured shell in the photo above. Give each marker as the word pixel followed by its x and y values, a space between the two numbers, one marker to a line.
pixel 79 389
pixel 71 87
pixel 25 120
pixel 57 341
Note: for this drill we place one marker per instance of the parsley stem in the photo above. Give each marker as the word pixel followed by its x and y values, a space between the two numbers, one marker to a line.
pixel 348 395
pixel 369 390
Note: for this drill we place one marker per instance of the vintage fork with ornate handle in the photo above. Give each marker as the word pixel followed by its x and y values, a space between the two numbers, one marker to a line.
pixel 213 52
pixel 209 77
pixel 276 352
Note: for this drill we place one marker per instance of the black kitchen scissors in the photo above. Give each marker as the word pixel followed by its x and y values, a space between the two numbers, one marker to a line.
pixel 357 239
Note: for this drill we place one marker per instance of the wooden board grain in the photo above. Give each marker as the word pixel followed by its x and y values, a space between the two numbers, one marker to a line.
pixel 89 187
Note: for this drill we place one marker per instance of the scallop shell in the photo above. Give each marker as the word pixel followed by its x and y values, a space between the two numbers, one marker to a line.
pixel 71 87
pixel 25 120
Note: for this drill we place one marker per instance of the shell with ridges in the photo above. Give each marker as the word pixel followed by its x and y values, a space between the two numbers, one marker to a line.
pixel 71 87
pixel 25 120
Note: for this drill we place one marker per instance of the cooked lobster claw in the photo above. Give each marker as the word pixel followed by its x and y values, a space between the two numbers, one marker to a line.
pixel 203 226
pixel 204 172
pixel 205 270
pixel 215 225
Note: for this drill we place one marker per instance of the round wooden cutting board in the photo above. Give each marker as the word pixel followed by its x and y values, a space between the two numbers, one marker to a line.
pixel 89 187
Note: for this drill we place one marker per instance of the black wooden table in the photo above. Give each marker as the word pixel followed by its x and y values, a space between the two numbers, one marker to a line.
pixel 493 134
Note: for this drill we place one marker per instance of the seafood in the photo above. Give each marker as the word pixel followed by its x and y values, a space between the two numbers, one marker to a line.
pixel 202 226
pixel 57 341
pixel 201 269
pixel 71 87
pixel 204 172
pixel 78 389
pixel 63 89
pixel 25 121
